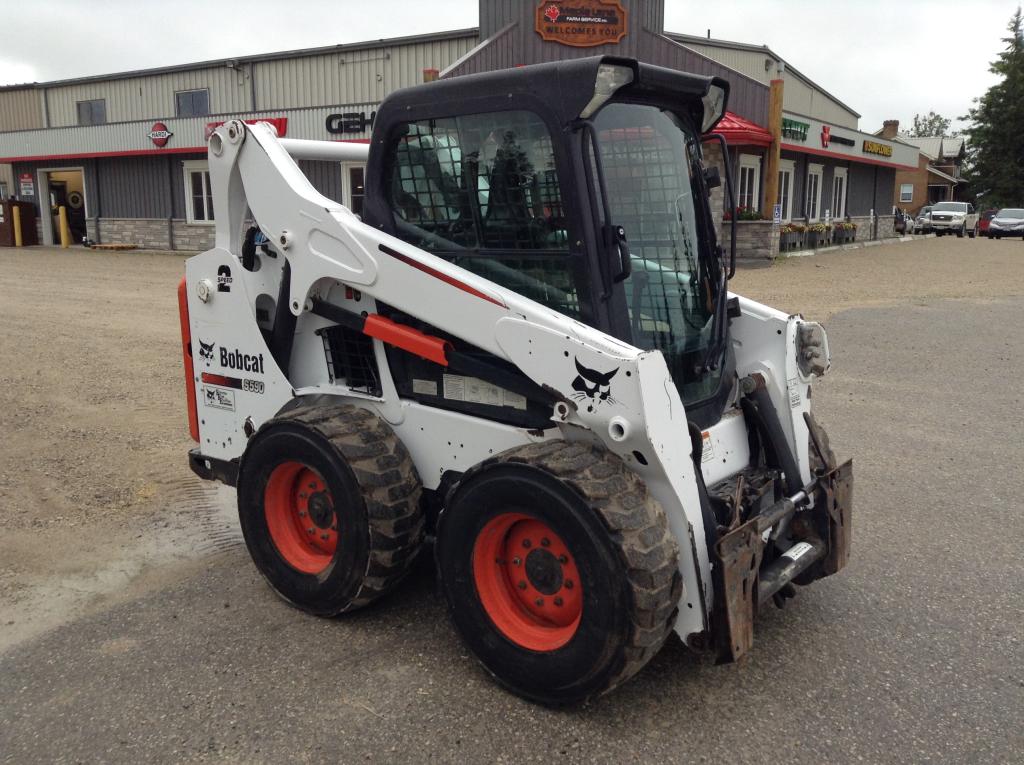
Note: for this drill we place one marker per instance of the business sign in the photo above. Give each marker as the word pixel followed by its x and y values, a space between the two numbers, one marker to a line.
pixel 349 122
pixel 581 24
pixel 874 147
pixel 280 124
pixel 794 129
pixel 159 134
pixel 27 186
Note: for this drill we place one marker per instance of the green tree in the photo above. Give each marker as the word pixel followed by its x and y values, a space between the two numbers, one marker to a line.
pixel 930 124
pixel 995 154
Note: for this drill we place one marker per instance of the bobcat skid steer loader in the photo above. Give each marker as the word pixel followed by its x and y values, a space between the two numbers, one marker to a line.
pixel 524 348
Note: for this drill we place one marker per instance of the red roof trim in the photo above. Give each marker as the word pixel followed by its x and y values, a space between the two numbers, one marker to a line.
pixel 740 132
pixel 847 157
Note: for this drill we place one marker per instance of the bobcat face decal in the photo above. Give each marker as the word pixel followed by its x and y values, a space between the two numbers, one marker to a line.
pixel 593 385
pixel 206 351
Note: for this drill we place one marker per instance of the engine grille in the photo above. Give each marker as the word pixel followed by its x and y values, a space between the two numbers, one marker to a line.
pixel 350 359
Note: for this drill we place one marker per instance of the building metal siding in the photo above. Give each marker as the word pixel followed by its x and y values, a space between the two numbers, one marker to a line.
pixel 325 177
pixel 21 109
pixel 520 43
pixel 151 97
pixel 352 76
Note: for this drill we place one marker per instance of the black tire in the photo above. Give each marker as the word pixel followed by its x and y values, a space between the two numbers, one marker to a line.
pixel 619 542
pixel 973 232
pixel 374 494
pixel 960 232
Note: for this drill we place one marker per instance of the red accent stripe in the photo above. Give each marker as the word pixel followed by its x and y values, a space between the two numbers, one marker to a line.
pixel 96 154
pixel 443 277
pixel 226 382
pixel 833 155
pixel 186 353
pixel 407 338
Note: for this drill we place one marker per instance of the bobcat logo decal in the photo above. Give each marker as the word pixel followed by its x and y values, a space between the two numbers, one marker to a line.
pixel 590 383
pixel 206 351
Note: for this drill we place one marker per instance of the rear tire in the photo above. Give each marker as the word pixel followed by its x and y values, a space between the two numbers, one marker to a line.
pixel 328 501
pixel 960 232
pixel 973 232
pixel 559 570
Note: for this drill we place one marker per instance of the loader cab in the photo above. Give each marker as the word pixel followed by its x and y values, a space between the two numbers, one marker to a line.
pixel 578 184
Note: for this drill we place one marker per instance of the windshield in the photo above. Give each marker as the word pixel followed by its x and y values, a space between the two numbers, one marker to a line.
pixel 649 159
pixel 960 207
pixel 1011 213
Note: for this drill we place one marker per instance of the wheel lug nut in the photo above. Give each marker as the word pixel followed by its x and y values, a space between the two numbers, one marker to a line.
pixel 568 584
pixel 539 601
pixel 527 543
pixel 522 585
pixel 302 513
pixel 563 559
pixel 309 530
pixel 312 485
pixel 545 542
pixel 324 537
pixel 516 562
pixel 558 601
pixel 303 495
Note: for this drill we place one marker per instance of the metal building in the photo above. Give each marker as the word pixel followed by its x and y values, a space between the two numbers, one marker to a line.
pixel 125 153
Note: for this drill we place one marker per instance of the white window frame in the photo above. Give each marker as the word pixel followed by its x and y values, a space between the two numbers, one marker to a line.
pixel 905 198
pixel 839 206
pixel 188 167
pixel 750 162
pixel 346 182
pixel 787 166
pixel 815 171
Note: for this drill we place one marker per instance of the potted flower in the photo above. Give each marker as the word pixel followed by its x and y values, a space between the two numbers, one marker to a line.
pixel 791 236
pixel 817 235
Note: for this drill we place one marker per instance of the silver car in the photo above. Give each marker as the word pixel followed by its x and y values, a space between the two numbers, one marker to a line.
pixel 923 221
pixel 1008 222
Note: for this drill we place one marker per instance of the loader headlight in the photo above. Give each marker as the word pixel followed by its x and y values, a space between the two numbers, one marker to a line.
pixel 812 354
pixel 609 79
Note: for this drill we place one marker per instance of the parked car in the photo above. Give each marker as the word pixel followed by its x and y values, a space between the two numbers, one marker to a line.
pixel 923 221
pixel 954 218
pixel 1007 222
pixel 983 221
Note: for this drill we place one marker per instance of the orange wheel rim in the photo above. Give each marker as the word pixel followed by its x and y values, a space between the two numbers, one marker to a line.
pixel 300 517
pixel 528 582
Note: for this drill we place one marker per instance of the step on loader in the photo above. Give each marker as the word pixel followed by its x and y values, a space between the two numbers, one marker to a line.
pixel 524 350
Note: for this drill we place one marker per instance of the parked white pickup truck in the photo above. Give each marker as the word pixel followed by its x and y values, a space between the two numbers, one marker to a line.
pixel 954 218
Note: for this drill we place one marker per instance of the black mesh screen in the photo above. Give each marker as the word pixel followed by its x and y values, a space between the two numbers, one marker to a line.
pixel 350 359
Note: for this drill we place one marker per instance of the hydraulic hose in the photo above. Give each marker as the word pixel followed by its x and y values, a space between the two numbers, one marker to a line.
pixel 758 407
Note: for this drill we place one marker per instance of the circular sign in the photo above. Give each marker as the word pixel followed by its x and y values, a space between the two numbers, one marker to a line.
pixel 159 134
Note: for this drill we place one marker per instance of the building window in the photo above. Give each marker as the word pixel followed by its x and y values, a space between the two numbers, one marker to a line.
pixel 750 178
pixel 354 192
pixel 906 192
pixel 198 197
pixel 3 190
pixel 92 112
pixel 812 208
pixel 839 193
pixel 786 170
pixel 192 103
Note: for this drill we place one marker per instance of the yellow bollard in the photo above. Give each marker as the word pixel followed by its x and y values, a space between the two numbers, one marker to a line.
pixel 16 219
pixel 65 231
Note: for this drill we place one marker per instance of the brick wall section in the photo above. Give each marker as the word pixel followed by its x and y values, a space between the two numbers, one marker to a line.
pixel 755 239
pixel 152 233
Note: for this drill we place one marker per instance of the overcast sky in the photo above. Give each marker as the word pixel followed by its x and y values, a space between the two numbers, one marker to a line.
pixel 884 59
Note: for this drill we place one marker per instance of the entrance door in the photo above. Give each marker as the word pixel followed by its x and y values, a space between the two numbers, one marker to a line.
pixel 62 187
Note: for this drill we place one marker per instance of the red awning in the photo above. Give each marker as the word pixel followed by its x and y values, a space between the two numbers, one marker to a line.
pixel 740 132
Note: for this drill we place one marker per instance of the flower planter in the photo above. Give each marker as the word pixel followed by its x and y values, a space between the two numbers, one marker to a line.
pixel 815 239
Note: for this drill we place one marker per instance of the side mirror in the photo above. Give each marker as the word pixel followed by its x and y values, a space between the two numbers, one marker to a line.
pixel 712 179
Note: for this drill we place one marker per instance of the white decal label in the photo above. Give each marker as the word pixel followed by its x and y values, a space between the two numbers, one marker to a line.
pixel 708 448
pixel 424 387
pixel 797 551
pixel 795 396
pixel 476 391
pixel 219 398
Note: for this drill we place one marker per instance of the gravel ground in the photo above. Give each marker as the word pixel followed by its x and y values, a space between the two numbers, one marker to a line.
pixel 132 626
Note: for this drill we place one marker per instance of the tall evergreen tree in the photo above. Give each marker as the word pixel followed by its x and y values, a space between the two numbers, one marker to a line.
pixel 996 148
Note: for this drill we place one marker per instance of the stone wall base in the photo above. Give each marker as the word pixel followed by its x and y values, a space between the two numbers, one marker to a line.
pixel 152 233
pixel 755 240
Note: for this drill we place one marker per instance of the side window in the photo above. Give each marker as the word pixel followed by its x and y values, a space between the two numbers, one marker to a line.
pixel 92 112
pixel 192 103
pixel 970 209
pixel 482 191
